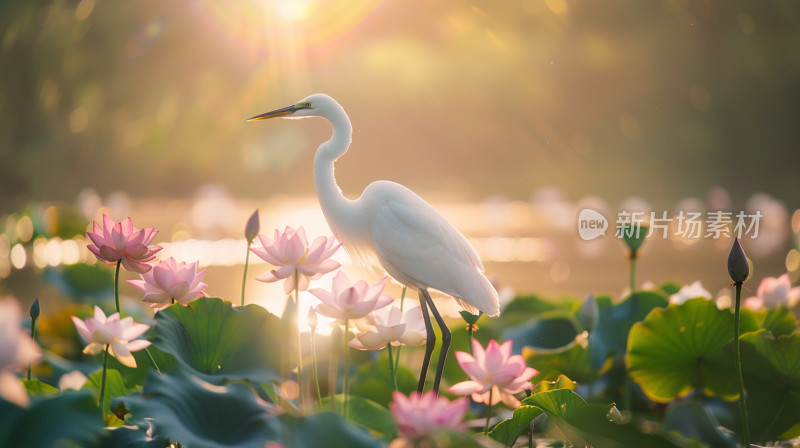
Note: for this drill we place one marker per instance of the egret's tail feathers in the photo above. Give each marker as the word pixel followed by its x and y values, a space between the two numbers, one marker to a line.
pixel 480 295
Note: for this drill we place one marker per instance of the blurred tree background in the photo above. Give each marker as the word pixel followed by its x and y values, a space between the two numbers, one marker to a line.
pixel 661 99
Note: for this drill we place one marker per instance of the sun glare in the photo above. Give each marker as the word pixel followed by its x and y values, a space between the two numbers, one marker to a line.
pixel 292 9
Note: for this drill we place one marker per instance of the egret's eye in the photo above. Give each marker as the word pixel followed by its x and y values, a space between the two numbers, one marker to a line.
pixel 308 104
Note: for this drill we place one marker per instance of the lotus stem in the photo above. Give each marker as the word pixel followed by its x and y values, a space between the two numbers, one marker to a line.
pixel 103 378
pixel 314 365
pixel 116 288
pixel 333 369
pixel 346 386
pixel 33 338
pixel 152 361
pixel 296 325
pixel 392 366
pixel 742 398
pixel 632 279
pixel 488 412
pixel 244 275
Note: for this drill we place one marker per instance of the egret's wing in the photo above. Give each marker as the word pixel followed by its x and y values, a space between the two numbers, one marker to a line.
pixel 417 244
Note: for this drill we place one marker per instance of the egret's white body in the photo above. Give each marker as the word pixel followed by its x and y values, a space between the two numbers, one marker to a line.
pixel 391 225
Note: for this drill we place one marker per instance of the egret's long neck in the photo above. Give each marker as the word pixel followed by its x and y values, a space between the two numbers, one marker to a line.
pixel 334 205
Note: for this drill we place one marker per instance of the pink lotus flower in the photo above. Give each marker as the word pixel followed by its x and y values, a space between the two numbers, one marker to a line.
pixel 493 372
pixel 290 253
pixel 773 293
pixel 418 415
pixel 388 325
pixel 17 349
pixel 123 242
pixel 169 281
pixel 118 334
pixel 347 301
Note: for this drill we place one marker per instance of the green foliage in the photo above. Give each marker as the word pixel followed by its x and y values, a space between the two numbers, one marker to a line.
pixel 558 404
pixel 572 360
pixel 367 413
pixel 592 424
pixel 325 429
pixel 135 376
pixel 549 330
pixel 71 418
pixel 37 388
pixel 679 349
pixel 129 437
pixel 558 401
pixel 508 430
pixel 778 321
pixel 610 338
pixel 115 387
pixel 217 342
pixel 375 382
pixel 694 420
pixel 82 281
pixel 523 308
pixel 771 367
pixel 562 382
pixel 184 409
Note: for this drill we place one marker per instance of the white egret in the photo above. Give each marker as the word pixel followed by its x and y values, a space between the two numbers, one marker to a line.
pixel 391 225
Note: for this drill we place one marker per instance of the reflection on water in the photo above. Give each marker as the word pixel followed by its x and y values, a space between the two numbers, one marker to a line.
pixel 527 246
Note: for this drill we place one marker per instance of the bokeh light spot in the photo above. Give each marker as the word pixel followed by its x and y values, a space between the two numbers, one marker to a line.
pixel 78 120
pixel 557 6
pixel 745 23
pixel 18 256
pixel 84 9
pixel 793 260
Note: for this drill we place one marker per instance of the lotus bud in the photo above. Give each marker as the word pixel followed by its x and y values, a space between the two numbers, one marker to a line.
pixel 614 415
pixel 738 267
pixel 589 313
pixel 252 227
pixel 35 310
pixel 312 319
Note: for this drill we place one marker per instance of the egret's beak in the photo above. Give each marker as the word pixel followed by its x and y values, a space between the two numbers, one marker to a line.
pixel 283 111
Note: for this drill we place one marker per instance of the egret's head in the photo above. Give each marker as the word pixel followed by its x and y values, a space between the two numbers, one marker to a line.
pixel 311 106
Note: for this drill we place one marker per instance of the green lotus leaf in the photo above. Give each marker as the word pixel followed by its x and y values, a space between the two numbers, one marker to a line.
pixel 508 430
pixel 115 387
pixel 135 376
pixel 678 349
pixel 217 342
pixel 572 361
pixel 71 419
pixel 325 430
pixel 779 321
pixel 549 330
pixel 610 338
pixel 559 404
pixel 188 410
pixel 523 308
pixel 367 413
pixel 38 388
pixel 592 423
pixel 694 420
pixel 375 382
pixel 771 367
pixel 129 437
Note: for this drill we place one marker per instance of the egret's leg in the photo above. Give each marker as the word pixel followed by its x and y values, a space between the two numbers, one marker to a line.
pixel 431 341
pixel 446 336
